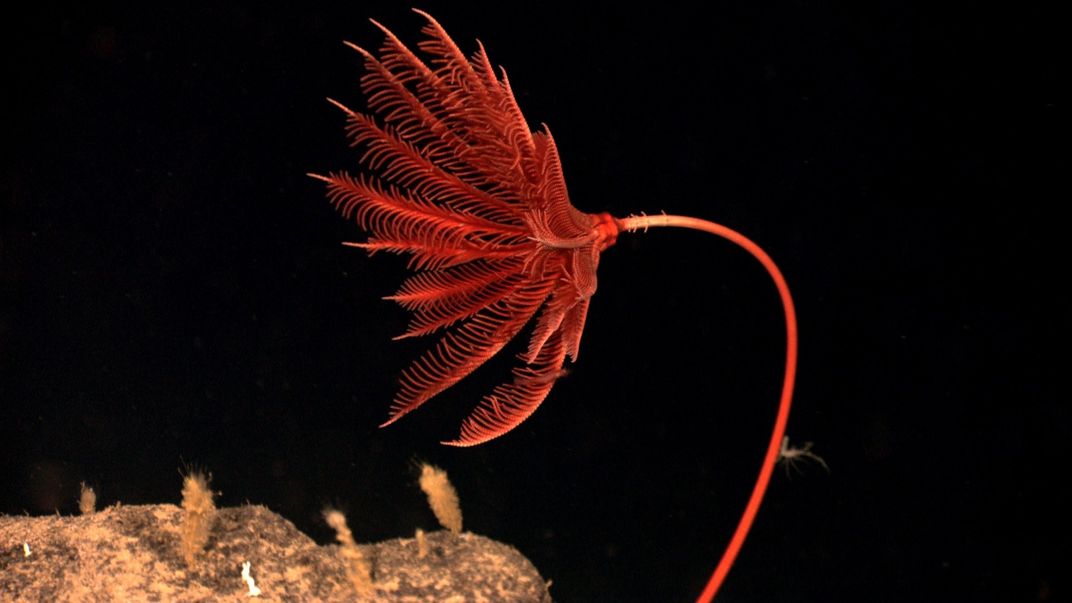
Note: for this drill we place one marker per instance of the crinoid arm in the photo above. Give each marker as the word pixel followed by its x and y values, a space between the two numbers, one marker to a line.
pixel 511 403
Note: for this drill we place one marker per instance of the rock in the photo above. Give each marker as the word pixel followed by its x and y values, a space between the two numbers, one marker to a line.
pixel 131 553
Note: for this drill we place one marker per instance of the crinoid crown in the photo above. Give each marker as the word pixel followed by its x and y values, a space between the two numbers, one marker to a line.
pixel 478 201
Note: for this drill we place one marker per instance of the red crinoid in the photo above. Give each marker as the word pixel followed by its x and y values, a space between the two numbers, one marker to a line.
pixel 479 203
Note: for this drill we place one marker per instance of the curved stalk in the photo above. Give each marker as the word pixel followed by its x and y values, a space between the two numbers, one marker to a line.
pixel 633 223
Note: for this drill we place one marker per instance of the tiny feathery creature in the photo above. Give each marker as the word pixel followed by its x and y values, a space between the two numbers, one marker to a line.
pixel 478 201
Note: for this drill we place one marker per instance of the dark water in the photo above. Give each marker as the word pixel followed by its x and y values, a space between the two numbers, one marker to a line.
pixel 174 292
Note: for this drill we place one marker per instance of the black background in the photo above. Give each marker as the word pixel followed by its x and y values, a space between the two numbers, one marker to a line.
pixel 174 293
